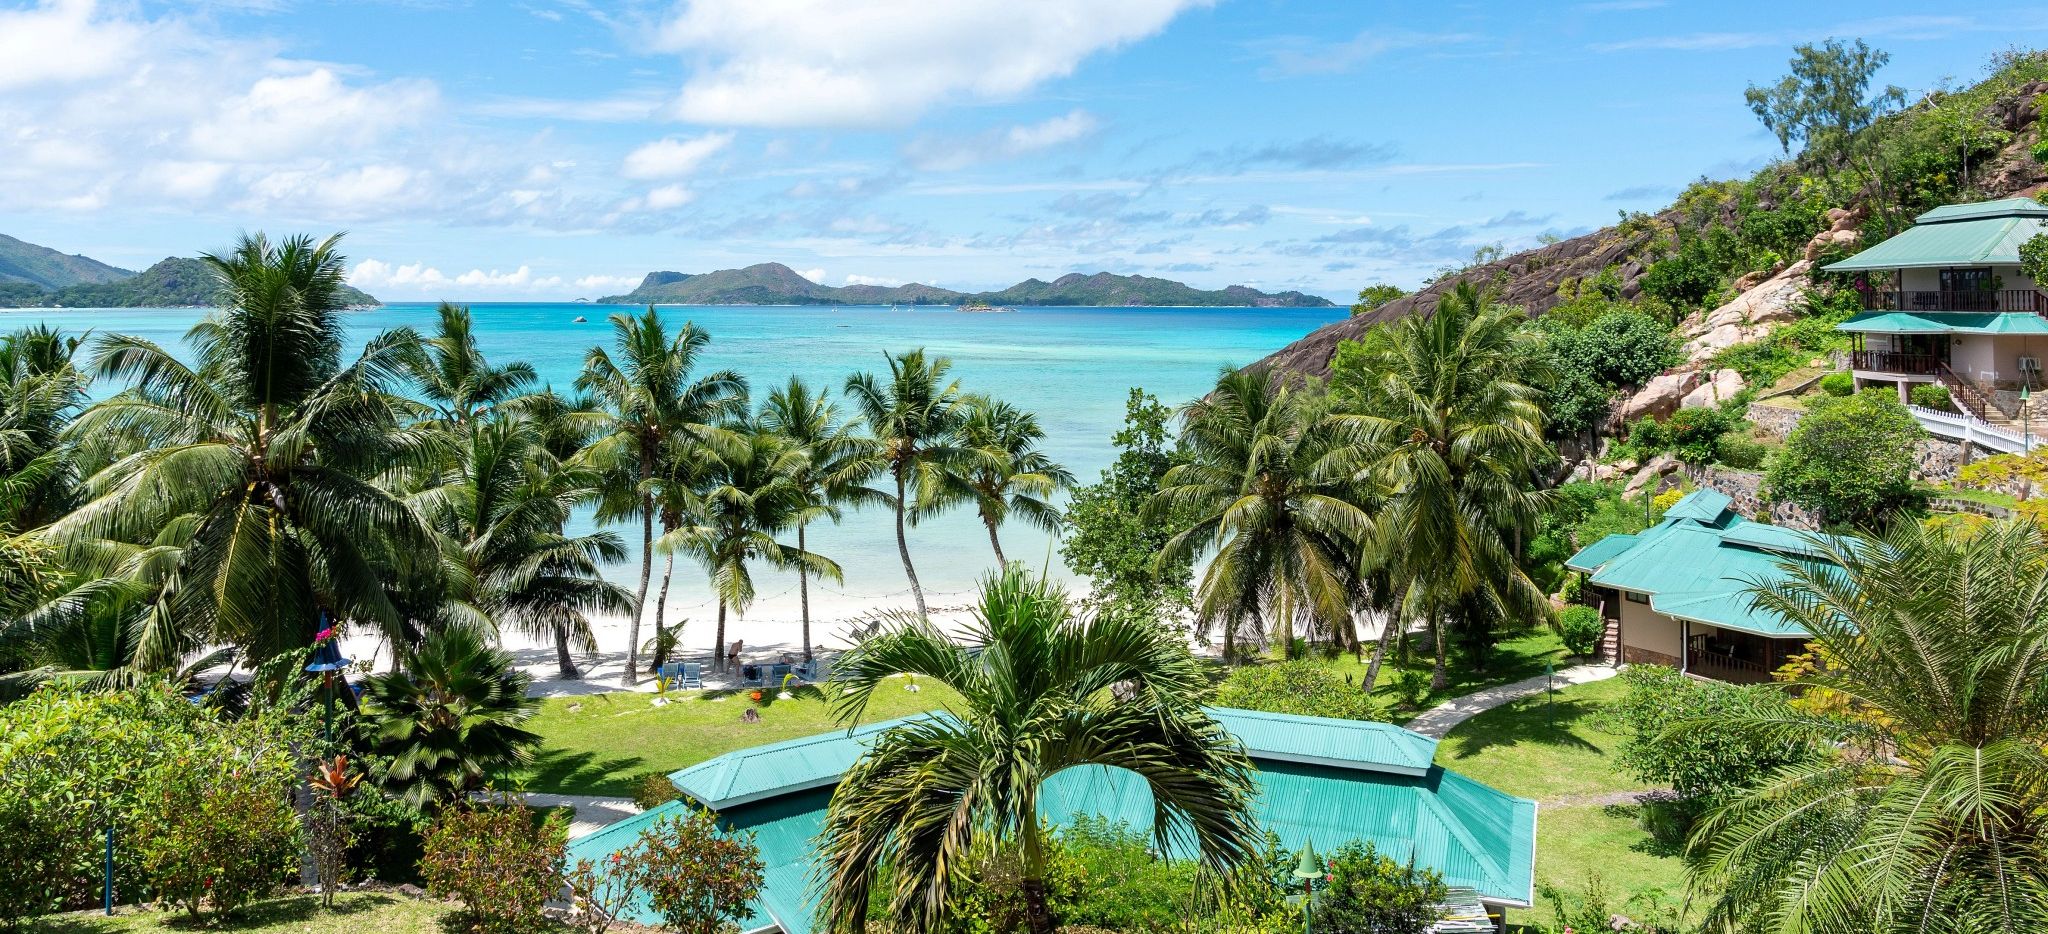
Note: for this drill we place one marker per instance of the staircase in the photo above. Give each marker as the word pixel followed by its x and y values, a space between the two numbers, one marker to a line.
pixel 1968 397
pixel 1610 643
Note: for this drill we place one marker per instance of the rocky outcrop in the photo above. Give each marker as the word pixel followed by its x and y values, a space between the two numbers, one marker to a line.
pixel 1659 467
pixel 1762 306
pixel 1777 420
pixel 1719 388
pixel 1659 397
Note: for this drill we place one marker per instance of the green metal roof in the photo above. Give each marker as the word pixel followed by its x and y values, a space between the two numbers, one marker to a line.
pixel 1703 505
pixel 1983 234
pixel 1946 322
pixel 1319 778
pixel 1591 557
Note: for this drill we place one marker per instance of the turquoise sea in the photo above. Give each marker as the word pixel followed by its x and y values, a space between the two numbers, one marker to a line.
pixel 1071 366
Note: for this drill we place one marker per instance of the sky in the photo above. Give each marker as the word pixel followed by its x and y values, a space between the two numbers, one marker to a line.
pixel 556 149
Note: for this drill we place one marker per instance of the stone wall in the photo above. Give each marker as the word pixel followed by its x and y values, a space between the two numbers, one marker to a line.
pixel 1745 488
pixel 1937 460
pixel 1636 656
pixel 1774 419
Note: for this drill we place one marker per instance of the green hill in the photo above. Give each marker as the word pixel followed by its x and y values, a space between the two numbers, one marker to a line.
pixel 175 282
pixel 776 284
pixel 45 268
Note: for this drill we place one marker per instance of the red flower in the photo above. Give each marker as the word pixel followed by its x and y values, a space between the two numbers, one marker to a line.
pixel 324 634
pixel 756 695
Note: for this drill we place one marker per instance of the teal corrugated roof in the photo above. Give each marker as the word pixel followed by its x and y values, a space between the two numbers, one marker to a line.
pixel 1703 505
pixel 777 768
pixel 1591 557
pixel 1946 322
pixel 1695 571
pixel 1956 235
pixel 1350 744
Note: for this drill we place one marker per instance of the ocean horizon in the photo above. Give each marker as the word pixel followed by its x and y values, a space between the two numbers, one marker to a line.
pixel 1072 366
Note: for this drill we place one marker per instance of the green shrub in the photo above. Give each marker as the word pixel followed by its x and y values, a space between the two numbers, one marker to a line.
pixel 1297 687
pixel 1581 629
pixel 699 878
pixel 217 828
pixel 390 839
pixel 1127 888
pixel 1675 733
pixel 1740 451
pixel 1370 893
pixel 1839 383
pixel 1931 396
pixel 1695 434
pixel 1648 912
pixel 1849 459
pixel 492 857
pixel 448 720
pixel 653 790
pixel 1411 687
pixel 1684 280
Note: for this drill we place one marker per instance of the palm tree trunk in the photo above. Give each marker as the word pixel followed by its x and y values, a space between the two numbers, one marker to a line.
pixel 1392 624
pixel 563 660
pixel 718 641
pixel 1037 914
pixel 994 542
pixel 903 549
pixel 632 672
pixel 803 591
pixel 660 655
pixel 1438 679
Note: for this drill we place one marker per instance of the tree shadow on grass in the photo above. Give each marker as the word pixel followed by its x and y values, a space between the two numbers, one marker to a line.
pixel 266 914
pixel 582 773
pixel 1535 721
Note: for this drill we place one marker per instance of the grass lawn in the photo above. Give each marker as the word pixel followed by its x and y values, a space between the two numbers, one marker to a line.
pixel 601 743
pixel 353 913
pixel 1520 656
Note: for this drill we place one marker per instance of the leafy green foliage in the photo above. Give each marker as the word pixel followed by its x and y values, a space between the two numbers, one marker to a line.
pixel 448 720
pixel 698 877
pixel 1297 687
pixel 654 790
pixel 1685 279
pixel 1373 296
pixel 1931 396
pixel 2034 258
pixel 1578 514
pixel 1677 734
pixel 1111 541
pixel 1371 893
pixel 1618 347
pixel 216 827
pixel 1851 459
pixel 1595 909
pixel 1793 345
pixel 498 861
pixel 1838 384
pixel 1581 628
pixel 1124 886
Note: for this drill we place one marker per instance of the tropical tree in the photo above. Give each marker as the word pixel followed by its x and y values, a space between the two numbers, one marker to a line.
pixel 1041 690
pixel 1931 812
pixel 915 419
pixel 652 408
pixel 748 500
pixel 1270 486
pixel 1453 434
pixel 500 510
pixel 1012 476
pixel 41 390
pixel 449 720
pixel 269 444
pixel 829 462
pixel 454 375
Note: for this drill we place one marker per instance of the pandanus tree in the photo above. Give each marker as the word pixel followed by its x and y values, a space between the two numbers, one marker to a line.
pixel 1270 484
pixel 1011 477
pixel 915 419
pixel 1929 809
pixel 1453 433
pixel 269 443
pixel 1040 690
pixel 829 461
pixel 655 406
pixel 748 500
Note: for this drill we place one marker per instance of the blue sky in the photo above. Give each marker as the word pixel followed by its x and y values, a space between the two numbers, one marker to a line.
pixel 550 149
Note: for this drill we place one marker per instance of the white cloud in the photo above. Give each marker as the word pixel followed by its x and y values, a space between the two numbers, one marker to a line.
pixel 62 41
pixel 856 279
pixel 606 283
pixel 815 275
pixel 673 158
pixel 944 154
pixel 830 62
pixel 420 278
pixel 286 115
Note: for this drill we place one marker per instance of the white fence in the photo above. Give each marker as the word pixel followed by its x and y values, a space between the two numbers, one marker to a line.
pixel 1964 427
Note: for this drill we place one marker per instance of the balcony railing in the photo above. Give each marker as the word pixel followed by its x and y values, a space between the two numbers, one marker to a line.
pixel 1726 668
pixel 1885 361
pixel 2032 300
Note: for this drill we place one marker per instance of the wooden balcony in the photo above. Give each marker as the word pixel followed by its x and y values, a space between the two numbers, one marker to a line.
pixel 2032 300
pixel 1905 364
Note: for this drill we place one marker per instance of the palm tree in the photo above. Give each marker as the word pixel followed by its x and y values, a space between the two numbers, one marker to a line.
pixel 1929 810
pixel 1270 484
pixel 653 407
pixel 453 374
pixel 270 444
pixel 41 390
pixel 1449 410
pixel 830 462
pixel 1040 691
pixel 500 510
pixel 449 720
pixel 915 418
pixel 1011 476
pixel 749 498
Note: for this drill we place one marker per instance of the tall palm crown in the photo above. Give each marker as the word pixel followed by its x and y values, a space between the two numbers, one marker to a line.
pixel 1270 483
pixel 654 406
pixel 1041 690
pixel 41 390
pixel 830 460
pixel 748 500
pixel 453 374
pixel 1930 812
pixel 1451 417
pixel 270 444
pixel 915 418
pixel 1011 477
pixel 500 508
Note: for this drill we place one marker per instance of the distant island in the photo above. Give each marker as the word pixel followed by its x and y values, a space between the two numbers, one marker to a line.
pixel 776 284
pixel 34 276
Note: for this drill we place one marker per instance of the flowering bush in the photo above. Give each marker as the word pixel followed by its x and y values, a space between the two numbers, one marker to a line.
pixel 217 828
pixel 699 878
pixel 495 859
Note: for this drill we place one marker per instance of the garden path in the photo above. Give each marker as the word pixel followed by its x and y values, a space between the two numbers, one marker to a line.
pixel 589 812
pixel 1438 720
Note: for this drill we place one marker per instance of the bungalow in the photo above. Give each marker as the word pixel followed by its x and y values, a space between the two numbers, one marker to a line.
pixel 1955 310
pixel 1320 780
pixel 1677 593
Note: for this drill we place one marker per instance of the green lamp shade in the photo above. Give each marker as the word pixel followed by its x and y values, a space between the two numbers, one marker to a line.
pixel 1307 866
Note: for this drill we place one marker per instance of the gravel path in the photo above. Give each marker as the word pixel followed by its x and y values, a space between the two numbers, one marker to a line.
pixel 1438 720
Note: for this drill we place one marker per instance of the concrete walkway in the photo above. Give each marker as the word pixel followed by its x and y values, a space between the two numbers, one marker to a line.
pixel 1438 720
pixel 591 812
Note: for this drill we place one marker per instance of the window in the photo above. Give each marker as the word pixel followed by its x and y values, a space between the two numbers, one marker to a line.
pixel 1966 280
pixel 1634 597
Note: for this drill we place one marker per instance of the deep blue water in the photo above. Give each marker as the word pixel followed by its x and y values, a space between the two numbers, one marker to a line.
pixel 1071 366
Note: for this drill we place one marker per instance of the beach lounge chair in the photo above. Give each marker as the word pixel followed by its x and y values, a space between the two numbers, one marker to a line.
pixel 776 673
pixel 692 676
pixel 815 671
pixel 667 675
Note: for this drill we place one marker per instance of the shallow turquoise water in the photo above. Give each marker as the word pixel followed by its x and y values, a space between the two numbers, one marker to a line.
pixel 1071 366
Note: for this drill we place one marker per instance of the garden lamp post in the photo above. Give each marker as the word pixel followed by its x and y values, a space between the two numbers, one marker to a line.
pixel 2026 422
pixel 1308 869
pixel 326 660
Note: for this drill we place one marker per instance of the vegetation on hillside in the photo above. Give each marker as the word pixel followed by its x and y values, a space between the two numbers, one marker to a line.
pixel 776 284
pixel 175 282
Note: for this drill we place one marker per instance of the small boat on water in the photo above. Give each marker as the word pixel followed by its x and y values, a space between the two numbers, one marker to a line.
pixel 581 320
